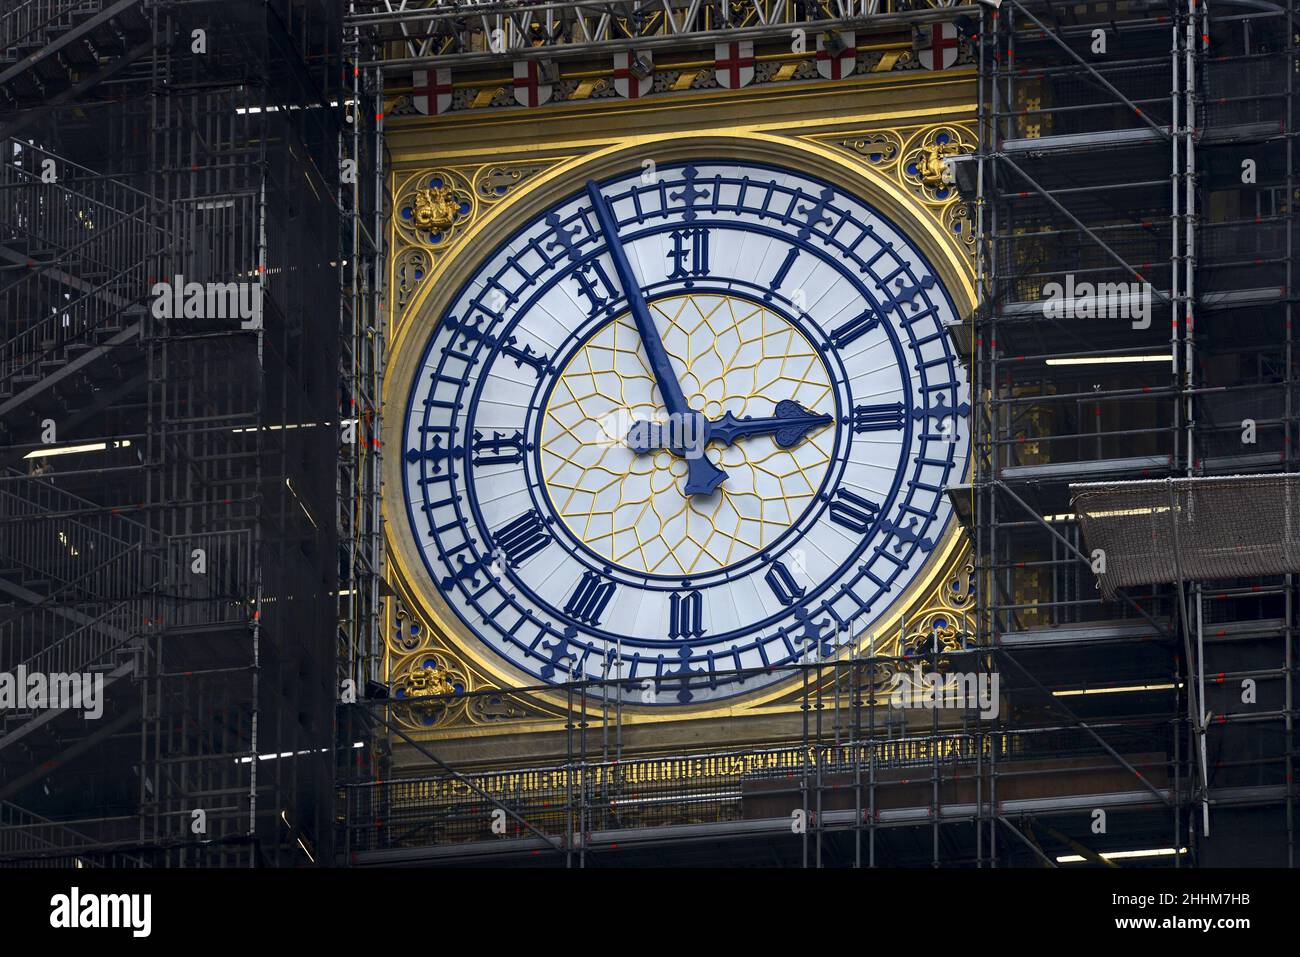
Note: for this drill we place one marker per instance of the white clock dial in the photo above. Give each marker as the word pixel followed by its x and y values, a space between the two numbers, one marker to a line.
pixel 783 322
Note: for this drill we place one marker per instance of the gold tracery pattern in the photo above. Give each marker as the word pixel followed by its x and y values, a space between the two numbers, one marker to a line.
pixel 735 356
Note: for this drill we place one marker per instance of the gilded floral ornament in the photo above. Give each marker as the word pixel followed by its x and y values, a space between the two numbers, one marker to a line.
pixel 436 209
pixel 914 159
pixel 493 708
pixel 943 624
pixel 960 224
pixel 930 165
pixel 935 632
pixel 959 593
pixel 434 679
pixel 880 148
pixel 432 688
pixel 409 268
pixel 406 633
pixel 493 183
pixel 431 691
pixel 428 690
pixel 435 206
pixel 922 166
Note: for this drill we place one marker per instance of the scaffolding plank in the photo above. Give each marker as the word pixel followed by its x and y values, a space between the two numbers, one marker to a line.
pixel 1202 528
pixel 1060 471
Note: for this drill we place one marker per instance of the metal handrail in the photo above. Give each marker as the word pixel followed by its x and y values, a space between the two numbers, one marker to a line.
pixel 41 16
pixel 68 171
pixel 66 549
pixel 92 224
pixel 94 643
pixel 52 498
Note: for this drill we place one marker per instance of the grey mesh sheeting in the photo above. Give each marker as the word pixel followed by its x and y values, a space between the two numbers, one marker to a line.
pixel 1199 529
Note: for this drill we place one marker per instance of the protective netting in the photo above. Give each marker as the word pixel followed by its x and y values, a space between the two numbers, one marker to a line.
pixel 1196 529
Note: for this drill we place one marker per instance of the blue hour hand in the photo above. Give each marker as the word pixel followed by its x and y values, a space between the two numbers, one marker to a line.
pixel 702 476
pixel 787 427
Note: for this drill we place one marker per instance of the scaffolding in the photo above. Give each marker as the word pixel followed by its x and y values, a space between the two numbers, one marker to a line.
pixel 1136 191
pixel 171 475
pixel 363 208
pixel 419 32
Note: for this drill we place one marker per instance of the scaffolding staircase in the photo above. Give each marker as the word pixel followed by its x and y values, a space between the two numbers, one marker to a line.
pixel 62 561
pixel 77 253
pixel 50 843
pixel 53 50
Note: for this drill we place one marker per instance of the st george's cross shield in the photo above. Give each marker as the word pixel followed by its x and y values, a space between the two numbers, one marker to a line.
pixel 431 96
pixel 531 87
pixel 839 58
pixel 733 64
pixel 937 46
pixel 633 73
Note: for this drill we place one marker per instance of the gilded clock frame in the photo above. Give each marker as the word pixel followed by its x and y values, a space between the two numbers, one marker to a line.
pixel 498 169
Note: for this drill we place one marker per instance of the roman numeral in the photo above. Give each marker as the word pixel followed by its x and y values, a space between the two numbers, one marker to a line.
pixel 854 328
pixel 783 584
pixel 690 243
pixel 686 616
pixel 595 285
pixel 589 600
pixel 878 418
pixel 854 512
pixel 523 537
pixel 498 450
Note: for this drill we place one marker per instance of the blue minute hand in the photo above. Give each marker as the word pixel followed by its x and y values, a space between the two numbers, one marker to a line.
pixel 702 476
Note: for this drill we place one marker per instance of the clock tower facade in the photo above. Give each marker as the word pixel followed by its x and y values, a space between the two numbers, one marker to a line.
pixel 672 400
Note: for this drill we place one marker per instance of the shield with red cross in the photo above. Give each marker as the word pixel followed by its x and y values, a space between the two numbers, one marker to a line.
pixel 938 49
pixel 431 96
pixel 733 64
pixel 531 88
pixel 627 67
pixel 840 60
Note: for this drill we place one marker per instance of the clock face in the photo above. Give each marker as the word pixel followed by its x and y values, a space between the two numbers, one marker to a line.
pixel 689 422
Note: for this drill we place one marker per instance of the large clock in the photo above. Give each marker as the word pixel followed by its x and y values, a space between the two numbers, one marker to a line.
pixel 686 425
